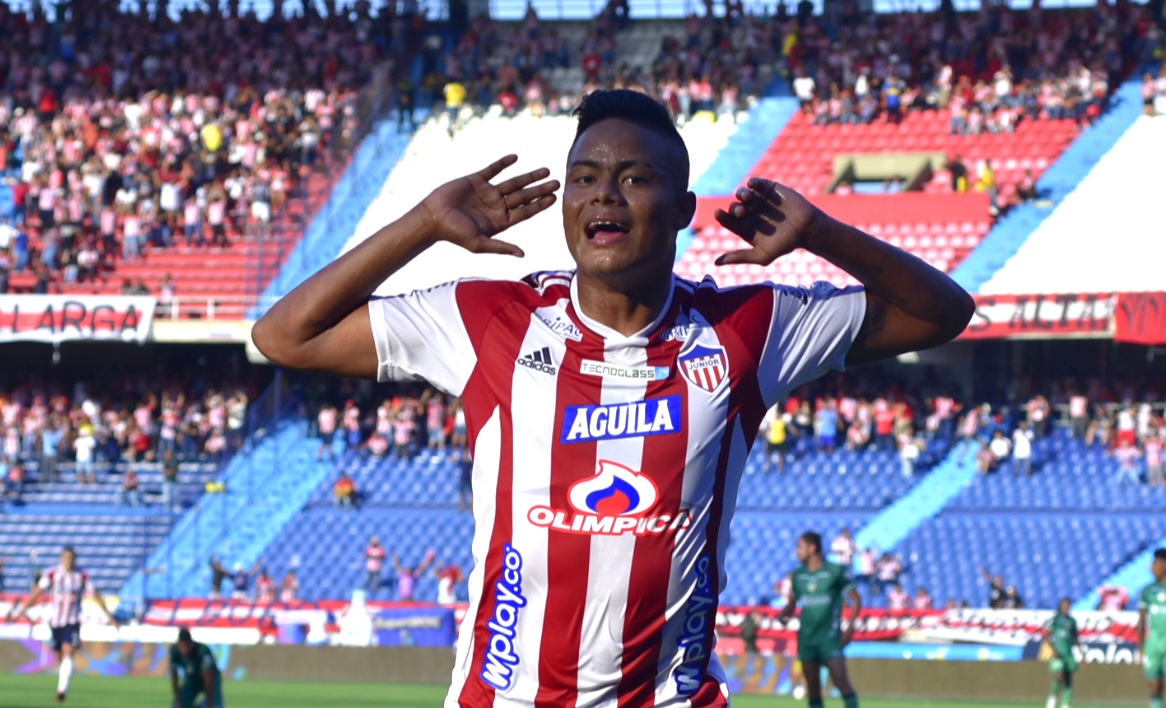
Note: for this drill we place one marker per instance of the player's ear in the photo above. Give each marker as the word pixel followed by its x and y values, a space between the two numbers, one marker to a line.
pixel 685 210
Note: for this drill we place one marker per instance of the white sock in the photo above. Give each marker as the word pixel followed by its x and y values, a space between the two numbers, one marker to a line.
pixel 65 675
pixel 1052 702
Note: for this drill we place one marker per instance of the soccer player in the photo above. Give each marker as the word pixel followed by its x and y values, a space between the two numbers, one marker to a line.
pixel 610 408
pixel 66 585
pixel 199 673
pixel 823 589
pixel 1061 634
pixel 1151 629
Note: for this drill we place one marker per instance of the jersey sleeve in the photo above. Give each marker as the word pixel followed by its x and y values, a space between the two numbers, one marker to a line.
pixel 46 581
pixel 423 336
pixel 810 333
pixel 1144 599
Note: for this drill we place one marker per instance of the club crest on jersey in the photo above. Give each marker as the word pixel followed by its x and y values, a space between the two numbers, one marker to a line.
pixel 705 367
pixel 615 501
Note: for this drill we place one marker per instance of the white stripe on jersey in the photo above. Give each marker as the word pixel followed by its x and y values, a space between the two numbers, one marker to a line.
pixel 601 641
pixel 66 591
pixel 532 482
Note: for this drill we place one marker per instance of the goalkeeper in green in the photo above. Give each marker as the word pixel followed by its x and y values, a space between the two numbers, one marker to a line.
pixel 1152 628
pixel 1061 634
pixel 823 589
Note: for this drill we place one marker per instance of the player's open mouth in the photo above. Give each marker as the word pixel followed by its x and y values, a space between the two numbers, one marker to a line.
pixel 602 231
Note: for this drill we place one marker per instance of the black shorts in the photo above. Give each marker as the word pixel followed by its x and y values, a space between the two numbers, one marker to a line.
pixel 68 634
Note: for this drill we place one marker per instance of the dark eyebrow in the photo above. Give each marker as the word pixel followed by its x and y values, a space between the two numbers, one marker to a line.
pixel 620 166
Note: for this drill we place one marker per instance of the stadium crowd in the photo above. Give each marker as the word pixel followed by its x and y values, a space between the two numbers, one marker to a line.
pixel 990 69
pixel 115 426
pixel 403 425
pixel 714 67
pixel 1127 421
pixel 121 132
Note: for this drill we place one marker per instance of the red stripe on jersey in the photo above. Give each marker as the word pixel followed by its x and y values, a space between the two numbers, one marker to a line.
pixel 709 695
pixel 746 408
pixel 664 461
pixel 568 554
pixel 489 387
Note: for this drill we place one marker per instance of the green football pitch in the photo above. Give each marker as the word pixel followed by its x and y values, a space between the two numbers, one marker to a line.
pixel 109 692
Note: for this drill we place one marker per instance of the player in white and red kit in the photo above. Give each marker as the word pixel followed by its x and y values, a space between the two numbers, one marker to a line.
pixel 66 585
pixel 374 565
pixel 611 408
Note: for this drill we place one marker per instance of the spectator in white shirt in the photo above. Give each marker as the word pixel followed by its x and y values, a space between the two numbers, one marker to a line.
pixel 1022 450
pixel 843 547
pixel 1000 447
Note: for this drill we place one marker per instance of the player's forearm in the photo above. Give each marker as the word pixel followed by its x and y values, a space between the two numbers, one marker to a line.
pixel 894 276
pixel 337 290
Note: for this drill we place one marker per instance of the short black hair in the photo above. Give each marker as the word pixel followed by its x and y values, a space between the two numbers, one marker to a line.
pixel 68 549
pixel 634 107
pixel 813 538
pixel 1160 554
pixel 184 635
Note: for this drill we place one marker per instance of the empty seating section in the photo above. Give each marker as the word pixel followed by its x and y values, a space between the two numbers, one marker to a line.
pixel 327 546
pixel 192 477
pixel 940 229
pixel 109 546
pixel 761 550
pixel 803 158
pixel 803 155
pixel 1057 533
pixel 1047 556
pixel 111 542
pixel 425 482
pixel 868 480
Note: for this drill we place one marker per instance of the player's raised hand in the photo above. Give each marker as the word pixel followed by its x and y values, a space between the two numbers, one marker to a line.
pixel 469 211
pixel 771 217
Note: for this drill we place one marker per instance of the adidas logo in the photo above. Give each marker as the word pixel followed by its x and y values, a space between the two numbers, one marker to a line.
pixel 539 360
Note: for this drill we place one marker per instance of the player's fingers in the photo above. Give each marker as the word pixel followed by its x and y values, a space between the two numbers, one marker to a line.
pixel 744 255
pixel 531 194
pixel 495 168
pixel 739 224
pixel 529 209
pixel 490 245
pixel 516 183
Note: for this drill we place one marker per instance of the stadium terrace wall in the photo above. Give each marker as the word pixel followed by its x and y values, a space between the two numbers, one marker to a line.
pixel 959 680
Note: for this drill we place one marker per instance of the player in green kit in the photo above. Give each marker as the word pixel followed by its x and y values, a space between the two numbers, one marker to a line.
pixel 1152 628
pixel 1061 634
pixel 200 674
pixel 823 589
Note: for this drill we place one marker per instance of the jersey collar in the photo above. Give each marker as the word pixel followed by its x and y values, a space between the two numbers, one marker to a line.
pixel 612 338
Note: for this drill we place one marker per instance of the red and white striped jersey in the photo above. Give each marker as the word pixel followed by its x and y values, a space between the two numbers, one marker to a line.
pixel 66 590
pixel 605 472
